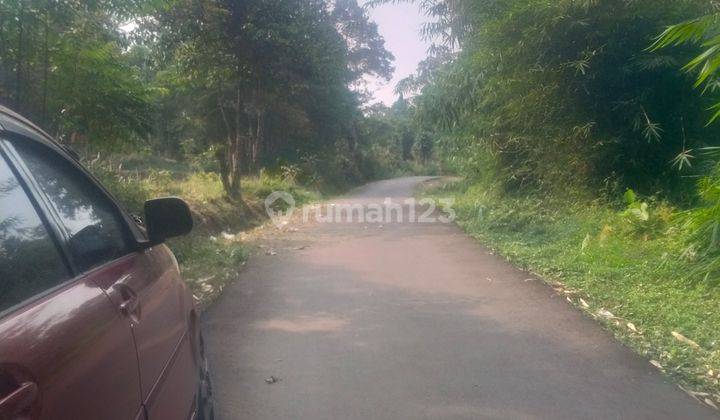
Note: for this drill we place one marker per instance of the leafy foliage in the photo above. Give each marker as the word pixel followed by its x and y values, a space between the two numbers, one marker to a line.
pixel 573 99
pixel 62 63
pixel 282 79
pixel 565 93
pixel 232 86
pixel 704 31
pixel 644 219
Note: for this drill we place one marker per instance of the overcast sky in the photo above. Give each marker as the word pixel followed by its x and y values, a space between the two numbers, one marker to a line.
pixel 400 26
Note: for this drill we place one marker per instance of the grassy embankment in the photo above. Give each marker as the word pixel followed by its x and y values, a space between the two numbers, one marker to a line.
pixel 212 255
pixel 629 273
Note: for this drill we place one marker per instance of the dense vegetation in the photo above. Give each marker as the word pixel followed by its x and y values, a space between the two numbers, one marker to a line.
pixel 586 132
pixel 587 100
pixel 231 86
pixel 568 91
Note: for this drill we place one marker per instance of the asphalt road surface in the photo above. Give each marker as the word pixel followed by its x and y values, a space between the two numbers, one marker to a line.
pixel 415 321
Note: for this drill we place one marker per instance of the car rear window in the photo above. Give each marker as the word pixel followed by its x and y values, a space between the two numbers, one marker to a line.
pixel 30 262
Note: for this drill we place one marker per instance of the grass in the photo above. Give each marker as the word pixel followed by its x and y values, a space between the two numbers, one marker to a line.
pixel 209 262
pixel 631 278
pixel 212 255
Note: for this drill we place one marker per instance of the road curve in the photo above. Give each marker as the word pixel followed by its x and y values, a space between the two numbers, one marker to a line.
pixel 415 321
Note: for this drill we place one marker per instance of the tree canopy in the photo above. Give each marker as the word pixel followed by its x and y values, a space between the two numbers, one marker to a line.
pixel 252 84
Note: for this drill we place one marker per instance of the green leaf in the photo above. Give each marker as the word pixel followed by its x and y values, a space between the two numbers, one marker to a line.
pixel 629 197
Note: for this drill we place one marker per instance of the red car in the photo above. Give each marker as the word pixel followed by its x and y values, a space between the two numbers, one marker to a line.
pixel 95 320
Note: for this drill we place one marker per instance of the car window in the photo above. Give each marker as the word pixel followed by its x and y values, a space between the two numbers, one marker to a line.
pixel 30 262
pixel 97 233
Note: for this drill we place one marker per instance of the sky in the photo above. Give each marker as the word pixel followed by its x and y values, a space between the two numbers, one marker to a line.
pixel 400 25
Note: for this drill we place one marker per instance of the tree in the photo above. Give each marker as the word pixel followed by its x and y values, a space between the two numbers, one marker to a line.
pixel 62 63
pixel 366 55
pixel 277 75
pixel 703 31
pixel 258 83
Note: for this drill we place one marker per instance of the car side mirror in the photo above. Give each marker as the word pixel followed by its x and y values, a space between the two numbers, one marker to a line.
pixel 167 218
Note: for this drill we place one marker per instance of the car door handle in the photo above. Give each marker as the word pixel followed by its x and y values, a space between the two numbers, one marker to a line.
pixel 19 400
pixel 130 304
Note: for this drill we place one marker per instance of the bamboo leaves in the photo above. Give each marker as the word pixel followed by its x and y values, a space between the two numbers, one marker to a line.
pixel 702 31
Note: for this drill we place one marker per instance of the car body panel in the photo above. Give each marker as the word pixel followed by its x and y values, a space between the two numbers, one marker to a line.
pixel 117 342
pixel 78 349
pixel 160 326
pixel 174 395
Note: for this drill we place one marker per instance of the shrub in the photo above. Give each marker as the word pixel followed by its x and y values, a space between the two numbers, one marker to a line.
pixel 644 218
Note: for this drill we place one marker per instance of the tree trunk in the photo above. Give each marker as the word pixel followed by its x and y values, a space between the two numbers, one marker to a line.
pixel 353 139
pixel 221 156
pixel 236 154
pixel 19 67
pixel 256 128
pixel 259 138
pixel 4 62
pixel 46 67
pixel 231 156
pixel 251 130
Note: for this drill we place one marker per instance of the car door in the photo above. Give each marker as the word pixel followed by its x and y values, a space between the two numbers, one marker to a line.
pixel 145 283
pixel 66 352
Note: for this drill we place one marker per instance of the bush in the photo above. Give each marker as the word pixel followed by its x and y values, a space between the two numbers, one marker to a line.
pixel 565 93
pixel 130 190
pixel 644 218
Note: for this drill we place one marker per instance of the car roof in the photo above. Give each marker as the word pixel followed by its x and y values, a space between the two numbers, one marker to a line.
pixel 11 121
pixel 16 123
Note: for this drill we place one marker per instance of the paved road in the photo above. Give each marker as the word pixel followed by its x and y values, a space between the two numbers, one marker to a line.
pixel 415 321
